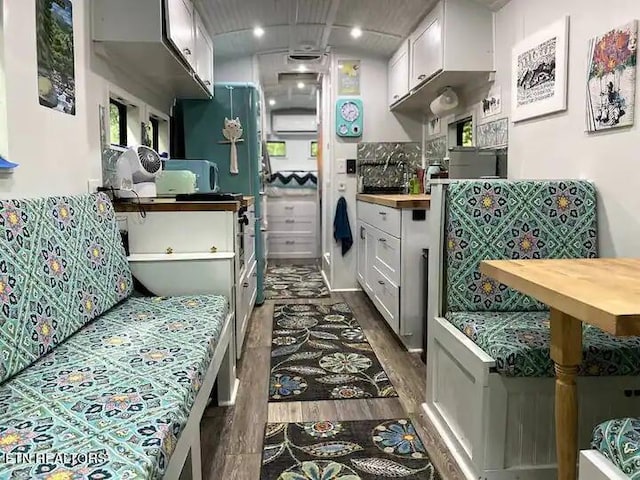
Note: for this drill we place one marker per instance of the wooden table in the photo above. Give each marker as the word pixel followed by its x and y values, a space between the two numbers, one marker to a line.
pixel 601 292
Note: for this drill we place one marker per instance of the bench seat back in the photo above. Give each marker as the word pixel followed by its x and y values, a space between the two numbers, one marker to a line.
pixel 62 264
pixel 502 219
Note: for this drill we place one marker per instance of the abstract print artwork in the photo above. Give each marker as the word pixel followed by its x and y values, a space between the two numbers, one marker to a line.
pixel 539 72
pixel 56 67
pixel 331 450
pixel 611 79
pixel 320 352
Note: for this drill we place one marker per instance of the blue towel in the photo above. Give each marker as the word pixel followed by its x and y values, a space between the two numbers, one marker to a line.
pixel 341 227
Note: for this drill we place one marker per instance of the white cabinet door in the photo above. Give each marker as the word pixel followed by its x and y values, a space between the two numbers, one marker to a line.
pixel 180 24
pixel 399 74
pixel 427 48
pixel 204 54
pixel 362 253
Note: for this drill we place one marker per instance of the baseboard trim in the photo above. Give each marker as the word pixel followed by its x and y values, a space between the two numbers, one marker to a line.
pixel 326 280
pixel 415 350
pixel 338 290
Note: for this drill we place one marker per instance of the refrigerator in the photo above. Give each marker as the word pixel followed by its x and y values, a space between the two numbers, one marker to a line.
pixel 203 121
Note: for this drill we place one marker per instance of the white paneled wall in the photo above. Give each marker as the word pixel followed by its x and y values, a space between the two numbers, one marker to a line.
pixel 298 153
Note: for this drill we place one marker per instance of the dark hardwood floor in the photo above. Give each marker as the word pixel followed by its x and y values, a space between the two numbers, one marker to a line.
pixel 232 437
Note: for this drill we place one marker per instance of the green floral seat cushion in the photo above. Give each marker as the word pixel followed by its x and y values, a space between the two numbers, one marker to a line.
pixel 519 342
pixel 619 441
pixel 62 264
pixel 512 220
pixel 120 391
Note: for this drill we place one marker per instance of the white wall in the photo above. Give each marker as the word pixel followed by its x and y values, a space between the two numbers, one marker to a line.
pixel 243 69
pixel 57 153
pixel 557 146
pixel 380 125
pixel 298 153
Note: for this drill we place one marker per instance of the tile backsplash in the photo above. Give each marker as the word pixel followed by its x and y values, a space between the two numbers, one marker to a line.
pixel 383 165
pixel 109 158
pixel 493 134
pixel 435 149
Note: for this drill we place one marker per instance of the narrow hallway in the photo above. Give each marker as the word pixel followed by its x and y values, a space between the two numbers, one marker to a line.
pixel 232 438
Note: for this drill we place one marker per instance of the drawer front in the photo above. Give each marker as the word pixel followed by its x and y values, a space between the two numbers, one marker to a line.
pixel 249 287
pixel 387 255
pixel 304 225
pixel 384 218
pixel 292 244
pixel 386 298
pixel 299 208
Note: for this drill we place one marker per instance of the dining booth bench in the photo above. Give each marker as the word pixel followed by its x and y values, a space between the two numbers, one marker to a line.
pixel 615 453
pixel 490 378
pixel 95 382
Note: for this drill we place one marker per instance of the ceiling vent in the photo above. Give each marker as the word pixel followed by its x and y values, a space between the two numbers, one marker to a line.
pixel 292 77
pixel 309 58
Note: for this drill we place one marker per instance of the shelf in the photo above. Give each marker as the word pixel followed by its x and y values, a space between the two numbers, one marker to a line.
pixel 418 100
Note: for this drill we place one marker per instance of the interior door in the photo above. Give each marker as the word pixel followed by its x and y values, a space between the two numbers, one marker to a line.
pixel 427 48
pixel 180 28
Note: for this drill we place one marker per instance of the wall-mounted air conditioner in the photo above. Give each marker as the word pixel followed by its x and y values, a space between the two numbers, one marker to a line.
pixel 294 123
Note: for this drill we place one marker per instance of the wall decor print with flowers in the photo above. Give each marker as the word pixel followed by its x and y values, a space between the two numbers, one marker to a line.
pixel 611 79
pixel 539 72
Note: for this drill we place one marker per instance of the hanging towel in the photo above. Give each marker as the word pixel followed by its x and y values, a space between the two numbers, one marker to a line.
pixel 341 227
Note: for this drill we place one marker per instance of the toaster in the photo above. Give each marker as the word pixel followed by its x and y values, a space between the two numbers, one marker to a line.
pixel 174 182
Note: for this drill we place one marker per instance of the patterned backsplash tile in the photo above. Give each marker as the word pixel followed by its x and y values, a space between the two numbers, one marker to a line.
pixel 493 134
pixel 435 149
pixel 109 159
pixel 383 165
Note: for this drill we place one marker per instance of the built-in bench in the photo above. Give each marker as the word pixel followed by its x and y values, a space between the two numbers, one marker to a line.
pixel 615 453
pixel 490 388
pixel 96 382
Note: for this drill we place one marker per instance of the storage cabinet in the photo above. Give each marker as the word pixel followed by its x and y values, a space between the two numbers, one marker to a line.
pixel 180 32
pixel 389 266
pixel 399 74
pixel 426 47
pixel 293 227
pixel 204 53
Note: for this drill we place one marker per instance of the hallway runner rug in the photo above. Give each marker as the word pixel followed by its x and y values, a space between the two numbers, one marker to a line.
pixel 366 450
pixel 294 281
pixel 319 352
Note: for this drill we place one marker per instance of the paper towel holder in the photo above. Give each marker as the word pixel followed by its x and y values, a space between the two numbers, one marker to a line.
pixel 445 103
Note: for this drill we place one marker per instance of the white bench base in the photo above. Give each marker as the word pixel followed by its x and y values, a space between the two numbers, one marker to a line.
pixel 222 367
pixel 502 428
pixel 595 466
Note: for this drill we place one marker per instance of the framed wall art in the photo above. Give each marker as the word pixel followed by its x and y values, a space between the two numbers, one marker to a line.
pixel 539 72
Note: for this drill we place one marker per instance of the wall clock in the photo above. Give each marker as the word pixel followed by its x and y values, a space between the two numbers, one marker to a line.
pixel 349 115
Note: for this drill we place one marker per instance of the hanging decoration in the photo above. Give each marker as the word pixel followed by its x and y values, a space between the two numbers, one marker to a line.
pixel 232 131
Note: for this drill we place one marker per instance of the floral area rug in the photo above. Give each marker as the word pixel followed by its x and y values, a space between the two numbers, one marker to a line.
pixel 329 450
pixel 319 352
pixel 294 281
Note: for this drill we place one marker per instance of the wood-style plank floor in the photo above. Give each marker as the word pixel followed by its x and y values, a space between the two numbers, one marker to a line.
pixel 232 437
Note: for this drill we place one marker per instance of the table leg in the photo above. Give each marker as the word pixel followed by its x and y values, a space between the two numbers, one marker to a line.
pixel 566 352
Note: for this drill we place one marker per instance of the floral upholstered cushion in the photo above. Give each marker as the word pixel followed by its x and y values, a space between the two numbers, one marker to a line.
pixel 519 342
pixel 512 220
pixel 62 264
pixel 118 392
pixel 619 441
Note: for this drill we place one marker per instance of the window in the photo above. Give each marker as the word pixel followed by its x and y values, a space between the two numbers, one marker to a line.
pixel 464 132
pixel 277 149
pixel 314 149
pixel 118 123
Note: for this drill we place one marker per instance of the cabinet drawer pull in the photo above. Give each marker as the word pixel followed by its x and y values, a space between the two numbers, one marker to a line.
pixel 395 97
pixel 382 213
pixel 422 77
pixel 186 51
pixel 245 284
pixel 207 83
pixel 383 240
pixel 289 220
pixel 290 242
pixel 288 208
pixel 380 282
pixel 255 274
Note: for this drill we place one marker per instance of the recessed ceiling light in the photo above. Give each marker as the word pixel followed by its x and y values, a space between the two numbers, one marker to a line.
pixel 302 68
pixel 301 85
pixel 258 32
pixel 272 102
pixel 356 32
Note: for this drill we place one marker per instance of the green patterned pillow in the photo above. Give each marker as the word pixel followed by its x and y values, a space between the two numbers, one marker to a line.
pixel 62 264
pixel 512 220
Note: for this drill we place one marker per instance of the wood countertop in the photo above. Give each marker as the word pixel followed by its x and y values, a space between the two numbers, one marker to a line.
pixel 171 205
pixel 397 201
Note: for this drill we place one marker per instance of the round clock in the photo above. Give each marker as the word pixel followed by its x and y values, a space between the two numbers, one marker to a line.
pixel 350 111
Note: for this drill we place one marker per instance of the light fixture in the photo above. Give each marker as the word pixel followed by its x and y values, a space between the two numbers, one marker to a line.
pixel 272 102
pixel 356 32
pixel 258 32
pixel 302 68
pixel 300 85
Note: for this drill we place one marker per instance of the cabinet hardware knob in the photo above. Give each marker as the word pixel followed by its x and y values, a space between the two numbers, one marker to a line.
pixel 169 250
pixel 422 77
pixel 288 208
pixel 186 51
pixel 382 213
pixel 380 282
pixel 255 274
pixel 290 242
pixel 245 284
pixel 207 83
pixel 213 249
pixel 253 235
pixel 290 220
pixel 382 240
pixel 396 96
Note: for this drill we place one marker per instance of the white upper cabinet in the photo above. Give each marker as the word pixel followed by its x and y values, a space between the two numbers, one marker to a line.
pixel 180 28
pixel 204 54
pixel 399 74
pixel 426 48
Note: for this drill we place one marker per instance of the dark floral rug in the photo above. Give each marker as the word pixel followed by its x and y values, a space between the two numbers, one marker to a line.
pixel 294 281
pixel 329 450
pixel 319 352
